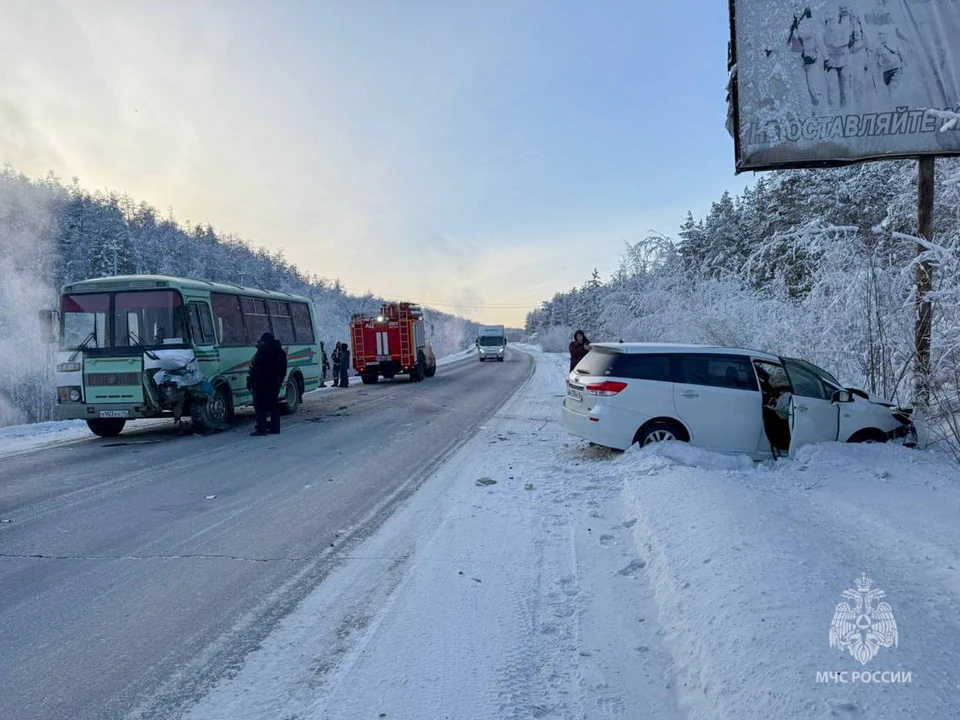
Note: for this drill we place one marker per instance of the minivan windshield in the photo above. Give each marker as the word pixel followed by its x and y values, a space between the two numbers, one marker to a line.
pixel 819 371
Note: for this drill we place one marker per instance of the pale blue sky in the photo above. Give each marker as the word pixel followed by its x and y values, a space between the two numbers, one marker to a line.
pixel 458 152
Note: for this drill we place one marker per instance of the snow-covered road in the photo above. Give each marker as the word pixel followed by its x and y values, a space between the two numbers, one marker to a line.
pixel 536 577
pixel 529 576
pixel 135 571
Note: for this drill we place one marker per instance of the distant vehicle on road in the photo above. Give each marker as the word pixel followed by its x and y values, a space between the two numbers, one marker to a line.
pixel 394 342
pixel 148 346
pixel 491 343
pixel 724 399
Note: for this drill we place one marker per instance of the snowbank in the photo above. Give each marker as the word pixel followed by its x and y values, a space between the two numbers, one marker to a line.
pixel 749 562
pixel 19 439
pixel 457 357
pixel 16 439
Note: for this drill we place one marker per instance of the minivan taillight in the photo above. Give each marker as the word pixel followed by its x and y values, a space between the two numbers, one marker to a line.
pixel 607 388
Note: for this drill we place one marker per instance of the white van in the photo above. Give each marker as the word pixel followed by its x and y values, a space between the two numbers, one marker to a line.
pixel 724 399
pixel 491 343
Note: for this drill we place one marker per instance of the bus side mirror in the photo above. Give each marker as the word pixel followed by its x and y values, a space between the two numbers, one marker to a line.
pixel 47 324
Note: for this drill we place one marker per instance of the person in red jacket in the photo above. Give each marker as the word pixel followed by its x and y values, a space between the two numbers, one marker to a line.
pixel 578 348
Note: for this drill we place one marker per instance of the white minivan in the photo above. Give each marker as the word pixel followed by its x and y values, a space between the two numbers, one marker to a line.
pixel 724 399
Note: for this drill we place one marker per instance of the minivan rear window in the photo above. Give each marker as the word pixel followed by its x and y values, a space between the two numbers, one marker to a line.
pixel 597 362
pixel 636 366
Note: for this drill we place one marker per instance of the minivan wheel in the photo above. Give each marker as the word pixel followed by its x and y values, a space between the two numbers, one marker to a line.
pixel 870 435
pixel 661 431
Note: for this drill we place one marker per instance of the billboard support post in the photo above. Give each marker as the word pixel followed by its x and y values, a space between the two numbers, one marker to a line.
pixel 924 283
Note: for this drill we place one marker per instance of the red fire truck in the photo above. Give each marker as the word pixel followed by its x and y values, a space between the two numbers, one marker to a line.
pixel 391 343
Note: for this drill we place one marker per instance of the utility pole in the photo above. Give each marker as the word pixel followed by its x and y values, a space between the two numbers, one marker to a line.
pixel 924 281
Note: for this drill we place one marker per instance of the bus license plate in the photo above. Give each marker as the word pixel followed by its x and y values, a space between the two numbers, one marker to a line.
pixel 575 394
pixel 114 413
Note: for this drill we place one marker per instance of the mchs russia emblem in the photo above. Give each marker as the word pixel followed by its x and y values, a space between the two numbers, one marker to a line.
pixel 863 623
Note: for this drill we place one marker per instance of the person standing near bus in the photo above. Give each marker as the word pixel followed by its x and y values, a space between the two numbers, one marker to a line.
pixel 335 357
pixel 344 365
pixel 267 373
pixel 324 366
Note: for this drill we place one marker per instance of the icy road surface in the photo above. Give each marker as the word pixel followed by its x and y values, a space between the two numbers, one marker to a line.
pixel 137 570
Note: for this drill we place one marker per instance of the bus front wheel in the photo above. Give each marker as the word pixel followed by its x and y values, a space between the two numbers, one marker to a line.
pixel 212 413
pixel 106 427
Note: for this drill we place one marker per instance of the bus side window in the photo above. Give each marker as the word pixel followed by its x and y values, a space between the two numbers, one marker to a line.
pixel 227 310
pixel 281 321
pixel 302 324
pixel 201 326
pixel 206 324
pixel 195 332
pixel 255 317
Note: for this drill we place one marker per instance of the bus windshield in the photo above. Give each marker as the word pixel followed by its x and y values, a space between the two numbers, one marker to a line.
pixel 151 318
pixel 84 321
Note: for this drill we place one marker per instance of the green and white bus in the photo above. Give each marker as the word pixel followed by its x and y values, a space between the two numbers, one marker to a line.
pixel 117 333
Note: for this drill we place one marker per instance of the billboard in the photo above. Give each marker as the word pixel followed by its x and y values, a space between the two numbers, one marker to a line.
pixel 828 82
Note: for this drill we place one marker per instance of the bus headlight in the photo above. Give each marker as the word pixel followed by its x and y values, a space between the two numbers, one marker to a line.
pixel 68 367
pixel 68 394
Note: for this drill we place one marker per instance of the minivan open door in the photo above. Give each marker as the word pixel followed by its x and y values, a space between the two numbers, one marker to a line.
pixel 811 421
pixel 814 417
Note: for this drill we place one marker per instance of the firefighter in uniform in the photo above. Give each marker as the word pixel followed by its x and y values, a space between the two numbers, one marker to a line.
pixel 324 366
pixel 335 357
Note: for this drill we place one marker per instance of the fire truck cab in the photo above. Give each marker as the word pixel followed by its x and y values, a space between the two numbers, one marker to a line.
pixel 391 343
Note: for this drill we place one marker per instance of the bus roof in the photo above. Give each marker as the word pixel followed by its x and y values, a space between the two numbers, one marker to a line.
pixel 152 282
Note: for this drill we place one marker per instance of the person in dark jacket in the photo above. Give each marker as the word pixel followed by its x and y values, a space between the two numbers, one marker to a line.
pixel 335 356
pixel 578 348
pixel 267 373
pixel 324 366
pixel 344 365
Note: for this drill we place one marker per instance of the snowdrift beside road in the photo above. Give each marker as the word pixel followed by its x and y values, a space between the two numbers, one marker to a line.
pixel 15 439
pixel 748 564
